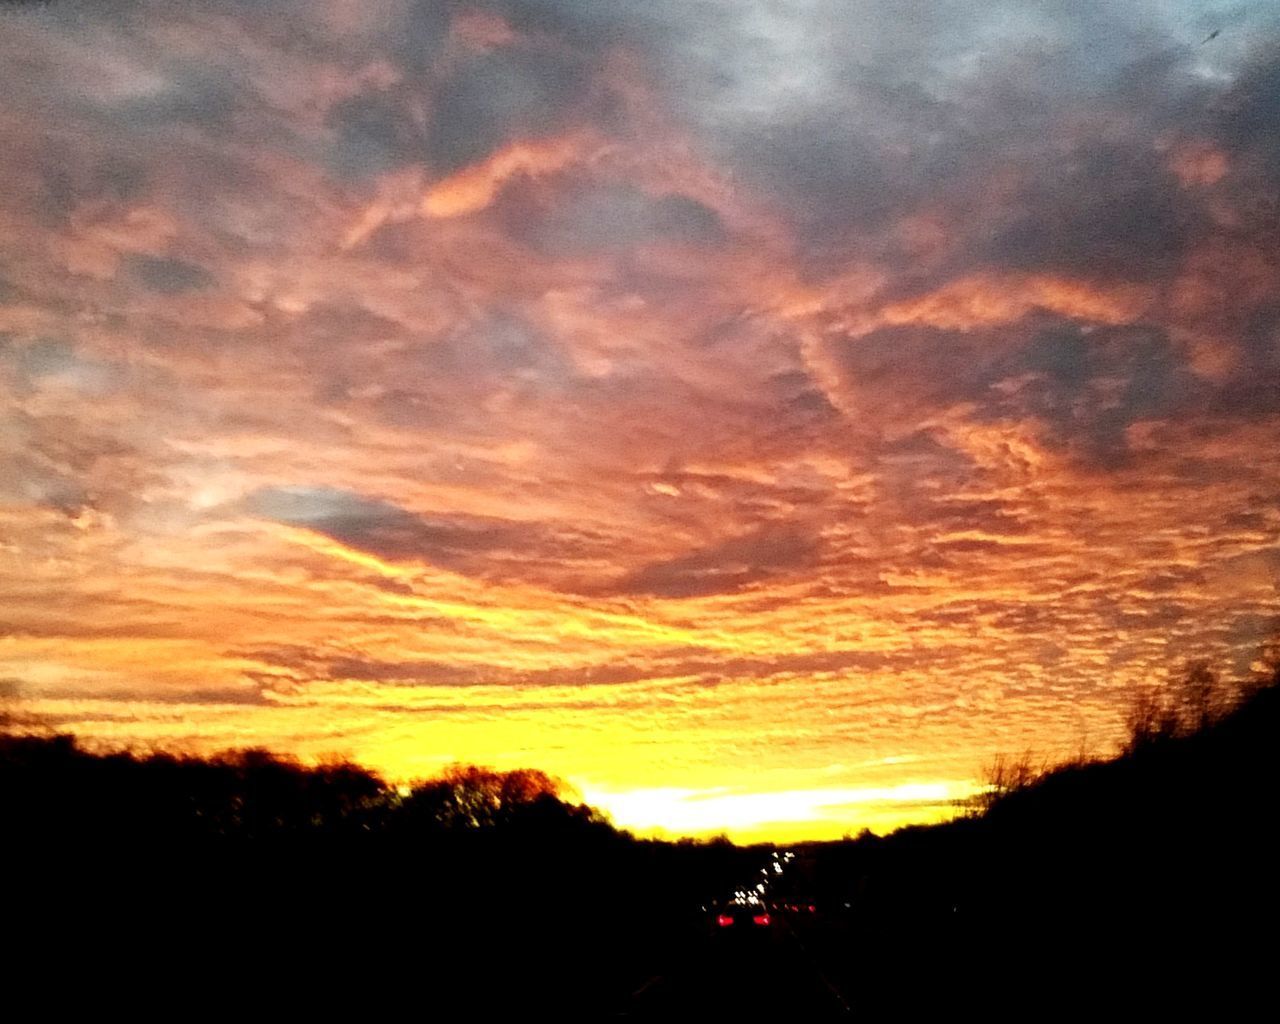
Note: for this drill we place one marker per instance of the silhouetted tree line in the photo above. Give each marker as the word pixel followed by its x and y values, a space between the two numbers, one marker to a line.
pixel 1142 884
pixel 1145 884
pixel 478 892
pixel 50 787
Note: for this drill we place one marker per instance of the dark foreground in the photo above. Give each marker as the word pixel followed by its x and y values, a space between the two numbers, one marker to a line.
pixel 167 941
pixel 1142 886
pixel 768 973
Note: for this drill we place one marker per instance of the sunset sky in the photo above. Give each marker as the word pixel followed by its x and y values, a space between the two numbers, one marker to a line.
pixel 757 414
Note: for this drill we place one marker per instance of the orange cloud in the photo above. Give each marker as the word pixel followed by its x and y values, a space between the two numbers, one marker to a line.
pixel 473 188
pixel 985 300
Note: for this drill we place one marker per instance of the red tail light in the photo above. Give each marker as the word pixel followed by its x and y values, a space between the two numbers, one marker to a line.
pixel 724 920
pixel 761 919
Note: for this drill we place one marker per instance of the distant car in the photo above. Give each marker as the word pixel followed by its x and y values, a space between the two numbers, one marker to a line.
pixel 742 917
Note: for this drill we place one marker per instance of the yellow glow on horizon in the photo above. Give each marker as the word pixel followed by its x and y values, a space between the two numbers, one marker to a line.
pixel 786 816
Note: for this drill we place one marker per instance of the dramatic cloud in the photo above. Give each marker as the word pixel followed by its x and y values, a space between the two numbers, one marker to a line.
pixel 759 414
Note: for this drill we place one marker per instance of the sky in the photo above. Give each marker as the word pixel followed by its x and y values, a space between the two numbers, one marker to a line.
pixel 759 415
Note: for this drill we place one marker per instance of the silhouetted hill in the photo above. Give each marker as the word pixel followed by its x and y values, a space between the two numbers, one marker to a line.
pixel 1140 884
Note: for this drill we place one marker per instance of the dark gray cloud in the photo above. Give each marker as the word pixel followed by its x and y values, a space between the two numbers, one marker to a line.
pixel 168 275
pixel 1084 383
pixel 372 134
pixel 1102 211
pixel 598 26
pixel 471 545
pixel 594 218
pixel 37 359
pixel 418 39
pixel 494 98
pixel 68 182
pixel 203 98
pixel 766 552
pixel 1244 119
pixel 380 527
pixel 1090 385
pixel 949 365
pixel 853 115
pixel 1254 389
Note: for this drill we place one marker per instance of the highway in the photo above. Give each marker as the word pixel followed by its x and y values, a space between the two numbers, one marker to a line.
pixel 753 971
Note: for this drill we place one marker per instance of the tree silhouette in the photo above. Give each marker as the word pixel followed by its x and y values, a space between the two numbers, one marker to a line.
pixel 469 797
pixel 1189 704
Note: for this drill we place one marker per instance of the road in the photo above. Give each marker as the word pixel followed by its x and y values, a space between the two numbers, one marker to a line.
pixel 759 973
